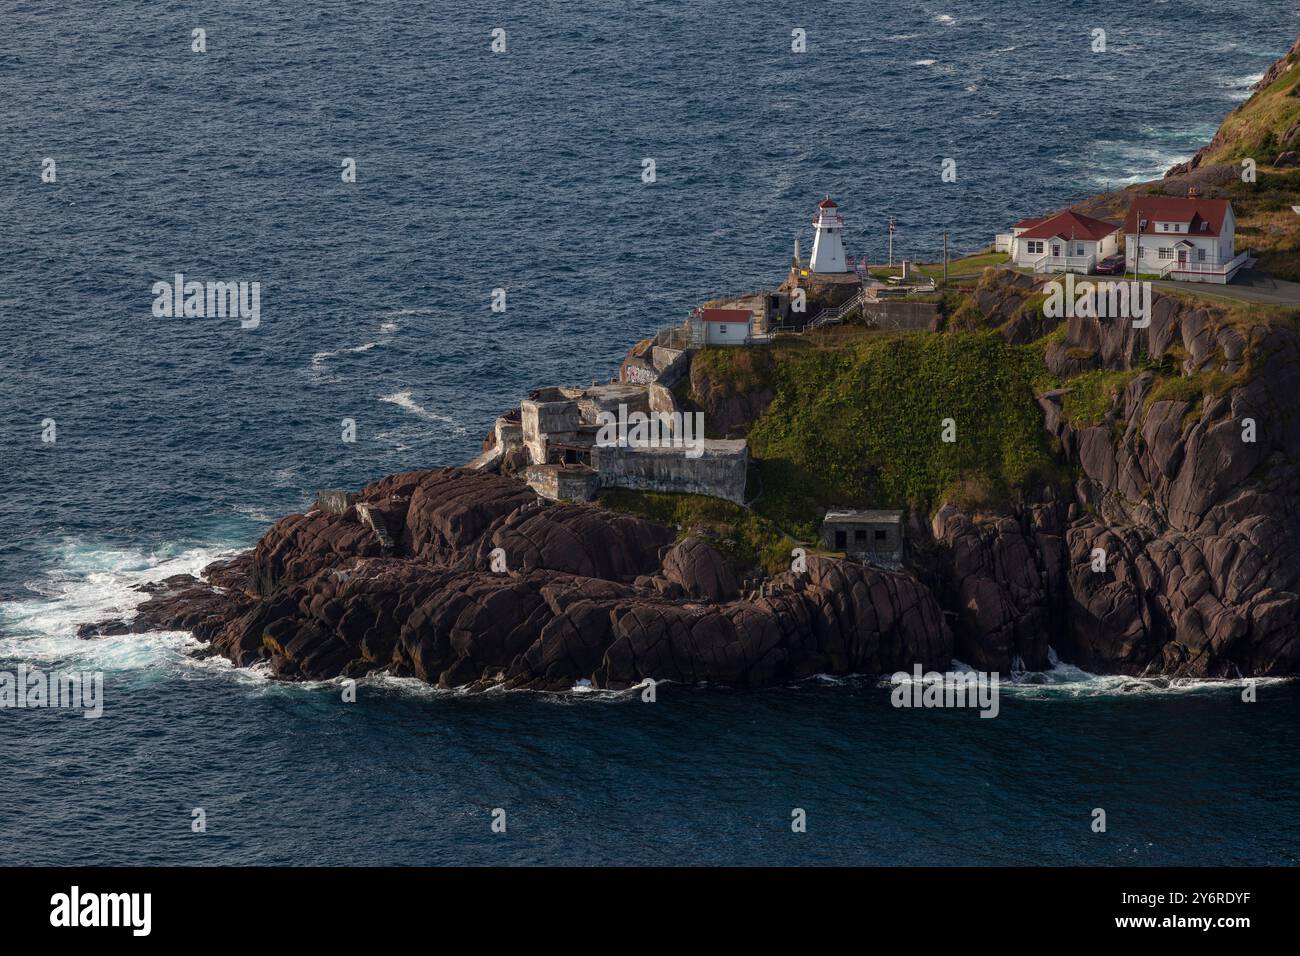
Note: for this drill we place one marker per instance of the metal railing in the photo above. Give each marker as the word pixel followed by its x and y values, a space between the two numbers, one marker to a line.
pixel 836 315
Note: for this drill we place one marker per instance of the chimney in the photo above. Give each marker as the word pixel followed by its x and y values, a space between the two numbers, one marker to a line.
pixel 1191 192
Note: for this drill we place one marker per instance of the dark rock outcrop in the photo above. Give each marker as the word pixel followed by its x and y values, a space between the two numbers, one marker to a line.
pixel 582 595
pixel 1186 557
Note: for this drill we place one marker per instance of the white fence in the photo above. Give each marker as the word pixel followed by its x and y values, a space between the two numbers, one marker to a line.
pixel 1083 264
pixel 1218 271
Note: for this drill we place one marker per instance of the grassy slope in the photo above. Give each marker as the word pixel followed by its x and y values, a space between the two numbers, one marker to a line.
pixel 863 425
pixel 1266 223
pixel 857 420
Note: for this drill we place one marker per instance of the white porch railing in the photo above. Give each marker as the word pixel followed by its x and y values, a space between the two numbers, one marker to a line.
pixel 1215 267
pixel 1050 263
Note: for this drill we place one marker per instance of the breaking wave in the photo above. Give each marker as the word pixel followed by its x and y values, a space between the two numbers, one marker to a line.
pixel 404 401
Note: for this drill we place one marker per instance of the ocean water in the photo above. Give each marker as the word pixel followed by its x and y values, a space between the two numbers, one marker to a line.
pixel 179 440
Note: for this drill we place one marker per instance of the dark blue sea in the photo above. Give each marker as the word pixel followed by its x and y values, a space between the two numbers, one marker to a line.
pixel 180 439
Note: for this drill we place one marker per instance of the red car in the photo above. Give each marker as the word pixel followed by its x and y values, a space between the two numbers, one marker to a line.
pixel 1111 266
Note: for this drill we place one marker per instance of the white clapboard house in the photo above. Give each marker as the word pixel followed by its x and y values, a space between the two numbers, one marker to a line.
pixel 1183 238
pixel 1065 242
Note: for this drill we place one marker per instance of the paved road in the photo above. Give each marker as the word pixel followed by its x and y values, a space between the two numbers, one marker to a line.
pixel 1248 286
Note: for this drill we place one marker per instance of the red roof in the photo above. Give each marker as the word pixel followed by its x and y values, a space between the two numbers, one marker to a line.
pixel 827 203
pixel 726 315
pixel 1190 210
pixel 1026 223
pixel 1070 225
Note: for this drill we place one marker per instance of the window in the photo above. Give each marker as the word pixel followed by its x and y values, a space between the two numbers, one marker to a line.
pixel 1200 255
pixel 840 539
pixel 1166 253
pixel 859 536
pixel 881 535
pixel 1078 249
pixel 1205 227
pixel 1035 246
pixel 722 329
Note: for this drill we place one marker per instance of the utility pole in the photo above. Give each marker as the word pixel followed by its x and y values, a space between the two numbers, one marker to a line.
pixel 945 258
pixel 891 242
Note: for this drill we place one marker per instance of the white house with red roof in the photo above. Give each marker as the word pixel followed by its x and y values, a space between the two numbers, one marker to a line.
pixel 1184 238
pixel 720 326
pixel 1066 242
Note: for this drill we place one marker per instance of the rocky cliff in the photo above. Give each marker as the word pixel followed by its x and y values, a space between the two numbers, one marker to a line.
pixel 582 594
pixel 1175 550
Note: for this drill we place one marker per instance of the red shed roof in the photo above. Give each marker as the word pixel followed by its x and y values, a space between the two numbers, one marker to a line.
pixel 1190 210
pixel 827 203
pixel 1070 225
pixel 726 315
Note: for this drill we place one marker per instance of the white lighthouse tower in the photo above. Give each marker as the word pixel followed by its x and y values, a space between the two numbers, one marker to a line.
pixel 828 244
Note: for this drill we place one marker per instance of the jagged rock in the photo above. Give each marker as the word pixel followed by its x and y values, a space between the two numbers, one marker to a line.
pixel 583 596
pixel 1196 524
pixel 700 570
pixel 1003 578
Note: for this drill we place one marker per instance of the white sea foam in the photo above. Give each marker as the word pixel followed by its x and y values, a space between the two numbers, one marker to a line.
pixel 92 583
pixel 1066 681
pixel 946 19
pixel 924 62
pixel 1128 163
pixel 404 401
pixel 320 358
pixel 255 513
pixel 1240 87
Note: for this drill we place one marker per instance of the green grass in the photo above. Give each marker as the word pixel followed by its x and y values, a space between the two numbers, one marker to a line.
pixel 733 371
pixel 1091 396
pixel 739 534
pixel 965 266
pixel 862 425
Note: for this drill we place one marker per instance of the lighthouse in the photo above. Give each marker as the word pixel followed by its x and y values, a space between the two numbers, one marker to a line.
pixel 828 244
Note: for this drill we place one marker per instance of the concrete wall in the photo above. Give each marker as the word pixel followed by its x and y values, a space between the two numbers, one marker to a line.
pixel 334 501
pixel 718 472
pixel 661 399
pixel 540 418
pixel 900 314
pixel 861 537
pixel 562 484
pixel 608 397
pixel 671 364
